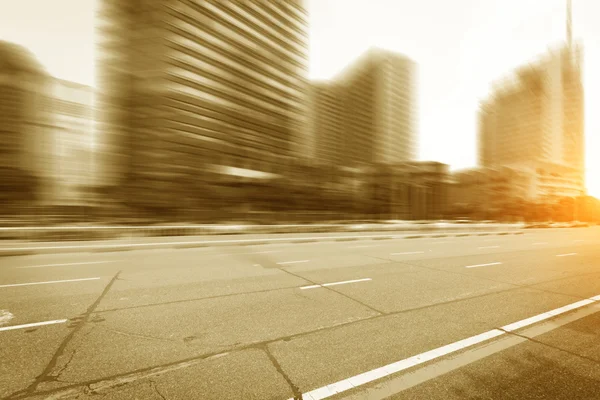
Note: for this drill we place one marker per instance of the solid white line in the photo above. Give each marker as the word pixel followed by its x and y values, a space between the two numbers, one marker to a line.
pixel 48 282
pixel 539 243
pixel 250 252
pixel 366 245
pixel 10 328
pixel 408 252
pixel 566 255
pixel 370 376
pixel 381 372
pixel 335 283
pixel 483 265
pixel 489 247
pixel 67 264
pixel 293 262
pixel 532 320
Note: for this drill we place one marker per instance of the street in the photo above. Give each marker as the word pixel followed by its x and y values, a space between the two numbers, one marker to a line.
pixel 285 320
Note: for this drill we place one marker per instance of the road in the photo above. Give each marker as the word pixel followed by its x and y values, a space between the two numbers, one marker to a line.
pixel 446 318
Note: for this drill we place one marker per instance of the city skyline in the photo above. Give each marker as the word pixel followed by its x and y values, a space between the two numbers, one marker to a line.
pixel 521 32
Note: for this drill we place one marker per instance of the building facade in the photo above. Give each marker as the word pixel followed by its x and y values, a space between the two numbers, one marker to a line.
pixel 27 148
pixel 534 121
pixel 187 87
pixel 415 190
pixel 74 154
pixel 367 114
pixel 326 122
pixel 491 190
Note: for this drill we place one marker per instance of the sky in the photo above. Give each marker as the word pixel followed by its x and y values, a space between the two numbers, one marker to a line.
pixel 460 46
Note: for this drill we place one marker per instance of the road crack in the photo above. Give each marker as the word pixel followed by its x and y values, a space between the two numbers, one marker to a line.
pixel 295 390
pixel 153 384
pixel 64 367
pixel 557 348
pixel 46 374
pixel 137 335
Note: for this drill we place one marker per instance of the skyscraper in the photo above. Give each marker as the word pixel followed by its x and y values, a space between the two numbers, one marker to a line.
pixel 534 119
pixel 373 104
pixel 187 87
pixel 534 115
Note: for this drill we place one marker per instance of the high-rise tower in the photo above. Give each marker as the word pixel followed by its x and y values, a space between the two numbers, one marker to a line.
pixel 534 119
pixel 187 87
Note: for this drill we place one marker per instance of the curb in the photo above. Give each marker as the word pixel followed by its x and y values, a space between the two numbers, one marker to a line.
pixel 18 252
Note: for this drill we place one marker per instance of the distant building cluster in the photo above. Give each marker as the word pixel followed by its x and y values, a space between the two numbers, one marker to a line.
pixel 206 104
pixel 204 109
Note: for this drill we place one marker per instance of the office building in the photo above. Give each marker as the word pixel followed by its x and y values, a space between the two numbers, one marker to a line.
pixel 534 120
pixel 74 157
pixel 193 91
pixel 26 126
pixel 367 113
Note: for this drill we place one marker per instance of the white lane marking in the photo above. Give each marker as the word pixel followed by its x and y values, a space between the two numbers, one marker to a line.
pixel 489 247
pixel 48 282
pixel 540 317
pixel 293 262
pixel 441 241
pixel 378 373
pixel 566 255
pixel 5 317
pixel 24 326
pixel 250 252
pixel 483 265
pixel 408 252
pixel 398 366
pixel 362 246
pixel 540 243
pixel 335 283
pixel 68 264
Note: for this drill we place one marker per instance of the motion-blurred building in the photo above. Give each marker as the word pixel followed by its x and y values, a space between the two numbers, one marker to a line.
pixel 72 124
pixel 190 90
pixel 326 122
pixel 415 190
pixel 46 126
pixel 534 121
pixel 487 192
pixel 26 126
pixel 367 114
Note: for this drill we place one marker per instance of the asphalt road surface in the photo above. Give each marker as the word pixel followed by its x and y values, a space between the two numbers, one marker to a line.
pixel 482 317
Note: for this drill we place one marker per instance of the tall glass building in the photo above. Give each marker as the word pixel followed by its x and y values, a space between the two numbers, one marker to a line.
pixel 190 91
